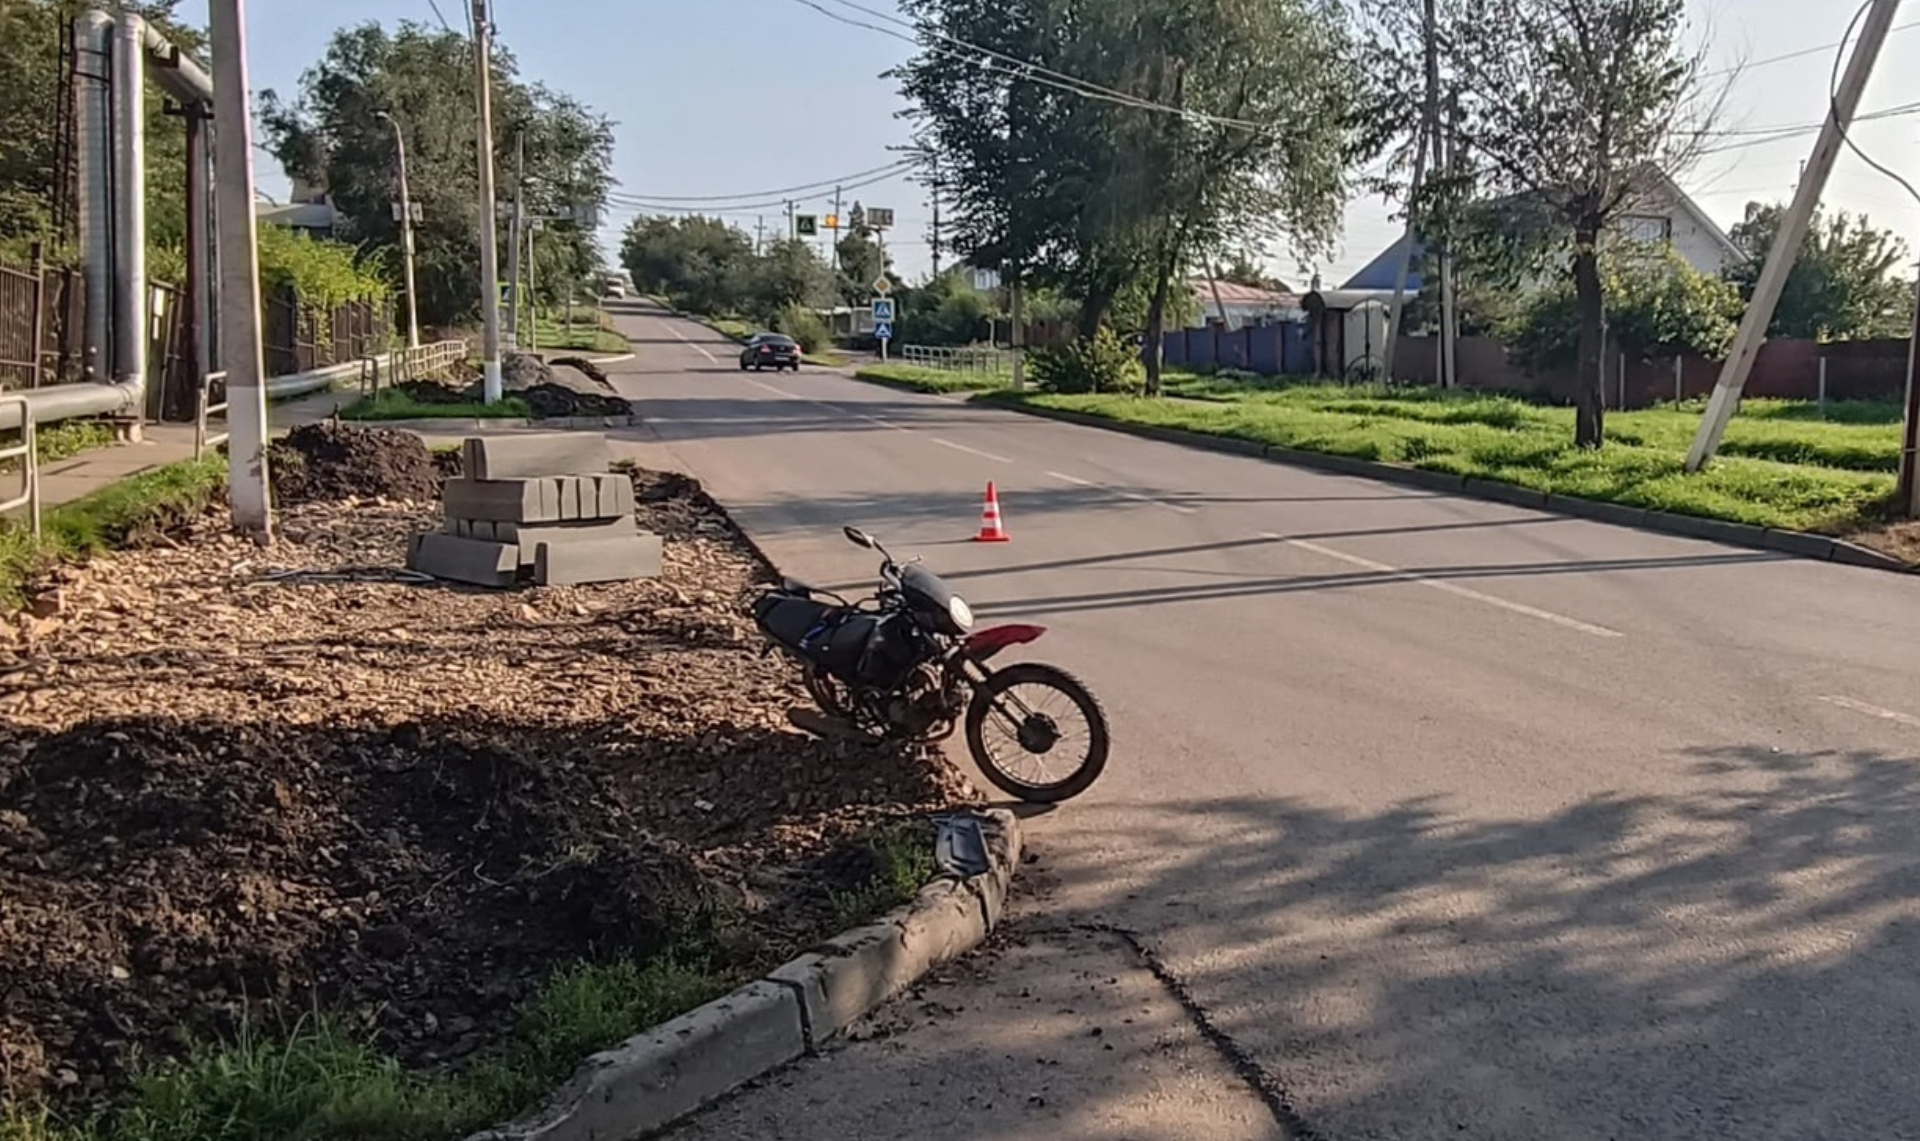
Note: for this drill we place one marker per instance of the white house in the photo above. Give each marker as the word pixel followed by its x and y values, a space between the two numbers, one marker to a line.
pixel 1660 214
pixel 1237 306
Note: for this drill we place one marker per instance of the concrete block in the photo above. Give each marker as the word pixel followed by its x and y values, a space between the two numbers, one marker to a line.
pixel 1799 543
pixel 613 495
pixel 653 1079
pixel 616 559
pixel 1855 555
pixel 464 560
pixel 1714 530
pixel 530 536
pixel 532 455
pixel 1617 513
pixel 570 497
pixel 506 501
pixel 1430 480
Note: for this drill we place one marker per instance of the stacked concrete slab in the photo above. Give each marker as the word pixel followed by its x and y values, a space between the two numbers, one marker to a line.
pixel 541 508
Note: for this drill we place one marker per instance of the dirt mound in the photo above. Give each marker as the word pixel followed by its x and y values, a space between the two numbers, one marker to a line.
pixel 332 461
pixel 567 390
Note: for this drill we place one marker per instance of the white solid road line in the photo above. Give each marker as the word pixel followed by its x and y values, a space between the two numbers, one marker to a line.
pixel 1071 478
pixel 1447 587
pixel 969 451
pixel 1851 705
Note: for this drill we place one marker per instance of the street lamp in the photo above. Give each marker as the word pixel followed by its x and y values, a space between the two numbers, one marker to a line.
pixel 405 211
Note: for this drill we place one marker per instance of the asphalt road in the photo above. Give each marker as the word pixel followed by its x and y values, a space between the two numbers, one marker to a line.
pixel 1456 818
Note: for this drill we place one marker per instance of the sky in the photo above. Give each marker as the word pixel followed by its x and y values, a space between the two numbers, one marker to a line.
pixel 736 97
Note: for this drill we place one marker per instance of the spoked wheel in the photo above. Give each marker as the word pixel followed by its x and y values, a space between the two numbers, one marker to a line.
pixel 831 696
pixel 1037 733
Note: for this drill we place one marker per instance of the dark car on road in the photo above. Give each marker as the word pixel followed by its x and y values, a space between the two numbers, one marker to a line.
pixel 770 350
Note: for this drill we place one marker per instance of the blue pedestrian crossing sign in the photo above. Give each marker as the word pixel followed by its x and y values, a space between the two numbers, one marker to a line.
pixel 883 309
pixel 883 330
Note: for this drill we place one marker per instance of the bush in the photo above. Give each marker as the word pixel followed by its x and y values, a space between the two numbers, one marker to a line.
pixel 804 326
pixel 1100 363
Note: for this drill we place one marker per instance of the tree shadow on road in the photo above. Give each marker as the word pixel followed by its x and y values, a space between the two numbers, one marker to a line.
pixel 1732 958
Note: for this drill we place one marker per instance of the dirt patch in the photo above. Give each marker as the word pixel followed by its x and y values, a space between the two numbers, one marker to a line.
pixel 1901 540
pixel 332 461
pixel 239 781
pixel 562 388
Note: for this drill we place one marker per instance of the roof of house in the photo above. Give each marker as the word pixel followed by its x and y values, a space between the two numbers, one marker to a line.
pixel 1233 293
pixel 296 215
pixel 1379 273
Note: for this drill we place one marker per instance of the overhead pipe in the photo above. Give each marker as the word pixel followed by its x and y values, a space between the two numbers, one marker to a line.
pixel 116 56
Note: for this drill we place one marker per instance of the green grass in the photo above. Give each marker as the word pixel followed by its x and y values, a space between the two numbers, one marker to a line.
pixel 935 379
pixel 393 405
pixel 902 854
pixel 324 1080
pixel 105 519
pixel 589 333
pixel 1782 465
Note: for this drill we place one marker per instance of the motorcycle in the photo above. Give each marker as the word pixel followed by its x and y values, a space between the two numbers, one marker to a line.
pixel 906 665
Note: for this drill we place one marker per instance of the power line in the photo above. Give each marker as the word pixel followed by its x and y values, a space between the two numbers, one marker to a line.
pixel 1833 108
pixel 1017 68
pixel 642 206
pixel 439 15
pixel 823 184
pixel 1800 54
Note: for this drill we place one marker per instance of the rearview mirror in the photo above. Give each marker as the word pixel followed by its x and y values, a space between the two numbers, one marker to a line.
pixel 859 538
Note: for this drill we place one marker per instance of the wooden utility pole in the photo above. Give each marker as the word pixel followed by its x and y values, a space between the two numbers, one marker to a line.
pixel 1908 500
pixel 1793 231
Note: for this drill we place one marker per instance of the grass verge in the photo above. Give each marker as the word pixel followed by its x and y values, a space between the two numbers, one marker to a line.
pixel 393 405
pixel 325 1080
pixel 107 518
pixel 589 333
pixel 922 379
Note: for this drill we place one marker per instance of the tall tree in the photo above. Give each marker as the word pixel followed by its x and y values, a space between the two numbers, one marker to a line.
pixel 334 136
pixel 1575 111
pixel 1845 285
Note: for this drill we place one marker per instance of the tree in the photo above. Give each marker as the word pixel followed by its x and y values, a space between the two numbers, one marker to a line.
pixel 703 264
pixel 1575 109
pixel 333 136
pixel 1656 306
pixel 1845 285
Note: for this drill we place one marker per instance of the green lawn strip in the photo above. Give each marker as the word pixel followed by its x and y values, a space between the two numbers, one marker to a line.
pixel 104 520
pixel 394 405
pixel 588 334
pixel 324 1080
pixel 922 379
pixel 1837 483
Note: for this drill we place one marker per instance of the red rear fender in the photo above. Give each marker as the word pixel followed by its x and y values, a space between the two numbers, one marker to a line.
pixel 986 643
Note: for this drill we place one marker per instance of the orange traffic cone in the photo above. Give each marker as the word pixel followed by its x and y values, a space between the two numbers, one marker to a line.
pixel 991 530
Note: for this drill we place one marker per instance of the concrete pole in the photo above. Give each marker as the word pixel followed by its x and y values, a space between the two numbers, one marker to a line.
pixel 489 231
pixel 406 231
pixel 247 481
pixel 130 331
pixel 1908 499
pixel 1017 335
pixel 1793 231
pixel 516 227
pixel 198 296
pixel 1423 139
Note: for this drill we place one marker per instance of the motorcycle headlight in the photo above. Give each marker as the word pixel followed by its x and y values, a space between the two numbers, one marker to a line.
pixel 961 613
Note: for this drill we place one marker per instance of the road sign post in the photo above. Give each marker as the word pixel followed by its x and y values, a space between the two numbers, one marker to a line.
pixel 806 225
pixel 883 322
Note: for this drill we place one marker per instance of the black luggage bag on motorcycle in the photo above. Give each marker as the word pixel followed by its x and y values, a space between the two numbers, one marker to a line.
pixel 853 646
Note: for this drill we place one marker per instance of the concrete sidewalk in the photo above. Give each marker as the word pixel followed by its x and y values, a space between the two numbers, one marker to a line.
pixel 1049 1032
pixel 75 477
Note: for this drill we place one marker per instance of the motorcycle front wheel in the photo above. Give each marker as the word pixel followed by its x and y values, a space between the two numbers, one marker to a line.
pixel 829 694
pixel 1050 720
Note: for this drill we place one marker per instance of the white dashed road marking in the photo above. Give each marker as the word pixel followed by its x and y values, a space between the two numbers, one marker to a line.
pixel 1848 703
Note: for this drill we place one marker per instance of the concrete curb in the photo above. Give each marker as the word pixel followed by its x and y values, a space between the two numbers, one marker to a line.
pixel 443 424
pixel 652 1080
pixel 1799 544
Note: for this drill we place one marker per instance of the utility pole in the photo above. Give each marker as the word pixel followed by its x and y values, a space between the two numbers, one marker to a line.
pixel 834 234
pixel 935 160
pixel 1396 316
pixel 1793 231
pixel 759 233
pixel 790 231
pixel 247 481
pixel 533 306
pixel 1017 334
pixel 489 230
pixel 1445 155
pixel 515 228
pixel 406 231
pixel 1908 500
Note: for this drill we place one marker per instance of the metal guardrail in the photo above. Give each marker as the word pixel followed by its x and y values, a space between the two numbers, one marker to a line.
pixel 27 451
pixel 970 359
pixel 206 410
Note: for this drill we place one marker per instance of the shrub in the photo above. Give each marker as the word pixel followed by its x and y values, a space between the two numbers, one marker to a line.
pixel 804 326
pixel 1100 363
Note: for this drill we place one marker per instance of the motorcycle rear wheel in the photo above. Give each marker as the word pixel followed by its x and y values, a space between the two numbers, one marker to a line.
pixel 1035 731
pixel 830 695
